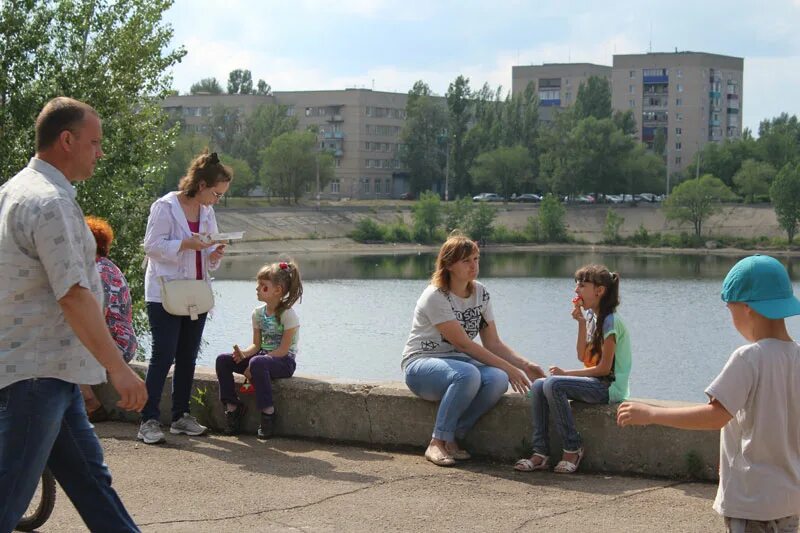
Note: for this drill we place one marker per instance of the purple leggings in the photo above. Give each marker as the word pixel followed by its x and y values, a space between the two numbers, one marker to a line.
pixel 263 367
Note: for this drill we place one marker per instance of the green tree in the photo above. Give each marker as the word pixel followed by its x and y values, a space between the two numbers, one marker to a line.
pixel 594 98
pixel 244 179
pixel 206 85
pixel 259 129
pixel 479 222
pixel 785 195
pixel 426 119
pixel 240 81
pixel 696 200
pixel 187 147
pixel 779 140
pixel 458 106
pixel 504 169
pixel 289 165
pixel 427 213
pixel 263 88
pixel 625 121
pixel 599 151
pixel 551 220
pixel 456 213
pixel 753 179
pixel 115 56
pixel 223 124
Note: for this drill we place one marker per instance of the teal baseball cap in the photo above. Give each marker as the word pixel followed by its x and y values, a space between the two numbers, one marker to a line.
pixel 761 282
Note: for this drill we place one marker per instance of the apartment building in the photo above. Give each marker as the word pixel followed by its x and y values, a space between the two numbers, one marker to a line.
pixel 692 98
pixel 556 83
pixel 360 127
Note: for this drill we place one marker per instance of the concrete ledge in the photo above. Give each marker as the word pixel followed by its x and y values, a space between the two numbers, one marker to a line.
pixel 389 415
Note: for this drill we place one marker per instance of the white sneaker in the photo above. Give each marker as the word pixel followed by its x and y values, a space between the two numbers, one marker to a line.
pixel 150 432
pixel 188 425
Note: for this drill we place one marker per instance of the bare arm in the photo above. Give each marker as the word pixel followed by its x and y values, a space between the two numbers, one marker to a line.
pixel 603 367
pixel 491 340
pixel 251 350
pixel 84 316
pixel 702 417
pixel 455 335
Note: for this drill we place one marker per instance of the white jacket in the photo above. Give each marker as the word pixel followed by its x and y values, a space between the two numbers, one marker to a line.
pixel 167 227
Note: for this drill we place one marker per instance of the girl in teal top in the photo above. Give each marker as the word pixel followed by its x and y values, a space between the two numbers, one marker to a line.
pixel 604 348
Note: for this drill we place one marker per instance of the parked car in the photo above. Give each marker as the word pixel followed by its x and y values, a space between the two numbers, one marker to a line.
pixel 487 197
pixel 613 198
pixel 585 199
pixel 528 197
pixel 407 196
pixel 646 197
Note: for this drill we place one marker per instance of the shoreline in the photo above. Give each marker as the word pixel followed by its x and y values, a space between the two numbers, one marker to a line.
pixel 346 246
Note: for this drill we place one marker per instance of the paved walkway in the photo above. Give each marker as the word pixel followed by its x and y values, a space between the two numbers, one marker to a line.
pixel 225 484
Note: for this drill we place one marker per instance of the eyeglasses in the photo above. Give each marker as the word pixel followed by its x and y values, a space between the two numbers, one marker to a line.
pixel 217 195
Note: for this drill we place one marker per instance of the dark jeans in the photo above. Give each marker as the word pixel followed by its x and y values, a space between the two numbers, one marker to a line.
pixel 263 367
pixel 176 339
pixel 43 421
pixel 552 394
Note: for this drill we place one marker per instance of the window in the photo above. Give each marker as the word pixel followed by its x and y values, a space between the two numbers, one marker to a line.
pixel 631 74
pixel 335 185
pixel 632 89
pixel 377 186
pixel 309 110
pixel 680 88
pixel 369 111
pixel 678 160
pixel 679 102
pixel 631 103
pixel 678 131
pixel 566 82
pixel 678 146
pixel 678 116
pixel 368 163
pixel 366 145
pixel 366 184
pixel 568 96
pixel 290 111
pixel 679 72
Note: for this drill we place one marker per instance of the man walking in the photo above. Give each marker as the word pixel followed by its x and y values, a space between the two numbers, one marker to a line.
pixel 53 336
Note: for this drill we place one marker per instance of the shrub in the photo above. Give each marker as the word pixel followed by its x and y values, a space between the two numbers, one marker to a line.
pixel 551 220
pixel 367 230
pixel 397 232
pixel 479 222
pixel 611 229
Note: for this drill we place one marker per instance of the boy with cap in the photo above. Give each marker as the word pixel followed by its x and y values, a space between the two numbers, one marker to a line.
pixel 755 400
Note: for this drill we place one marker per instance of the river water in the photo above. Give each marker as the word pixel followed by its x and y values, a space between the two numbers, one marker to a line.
pixel 356 313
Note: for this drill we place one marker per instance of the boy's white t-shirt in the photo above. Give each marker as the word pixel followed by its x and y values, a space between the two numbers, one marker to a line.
pixel 759 475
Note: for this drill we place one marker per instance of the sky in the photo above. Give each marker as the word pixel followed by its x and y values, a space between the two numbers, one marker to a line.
pixel 387 45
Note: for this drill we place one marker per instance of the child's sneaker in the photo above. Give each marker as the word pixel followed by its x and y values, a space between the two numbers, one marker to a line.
pixel 266 429
pixel 233 420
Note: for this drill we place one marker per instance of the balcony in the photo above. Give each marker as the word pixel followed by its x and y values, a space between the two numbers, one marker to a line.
pixel 733 110
pixel 333 135
pixel 554 102
pixel 713 122
pixel 335 118
pixel 647 80
pixel 338 153
pixel 732 96
pixel 714 94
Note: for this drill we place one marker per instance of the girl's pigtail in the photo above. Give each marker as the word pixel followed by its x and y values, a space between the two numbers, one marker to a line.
pixel 289 279
pixel 608 305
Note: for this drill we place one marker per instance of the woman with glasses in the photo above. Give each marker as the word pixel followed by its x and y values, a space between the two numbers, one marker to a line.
pixel 176 248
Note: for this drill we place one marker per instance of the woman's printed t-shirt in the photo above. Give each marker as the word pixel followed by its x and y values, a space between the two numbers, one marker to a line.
pixel 118 309
pixel 272 330
pixel 434 307
pixel 619 389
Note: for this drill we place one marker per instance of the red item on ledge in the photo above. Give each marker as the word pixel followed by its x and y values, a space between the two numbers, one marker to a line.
pixel 247 388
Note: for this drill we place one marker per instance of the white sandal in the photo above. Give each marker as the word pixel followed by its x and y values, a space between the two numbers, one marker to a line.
pixel 567 467
pixel 526 465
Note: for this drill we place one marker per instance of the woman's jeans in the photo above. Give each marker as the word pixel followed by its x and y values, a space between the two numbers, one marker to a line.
pixel 43 422
pixel 262 367
pixel 466 388
pixel 552 394
pixel 176 339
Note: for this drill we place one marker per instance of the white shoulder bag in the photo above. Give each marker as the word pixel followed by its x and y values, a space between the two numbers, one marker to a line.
pixel 186 297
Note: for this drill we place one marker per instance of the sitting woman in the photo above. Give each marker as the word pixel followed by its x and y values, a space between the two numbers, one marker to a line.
pixel 117 304
pixel 441 360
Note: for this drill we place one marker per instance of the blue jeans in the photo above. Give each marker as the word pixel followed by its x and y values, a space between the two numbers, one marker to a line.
pixel 176 339
pixel 465 387
pixel 553 394
pixel 43 421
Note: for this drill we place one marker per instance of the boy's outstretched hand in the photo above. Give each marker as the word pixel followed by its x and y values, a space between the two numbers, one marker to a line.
pixel 634 414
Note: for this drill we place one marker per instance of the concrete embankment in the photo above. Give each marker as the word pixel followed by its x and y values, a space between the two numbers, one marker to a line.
pixel 389 415
pixel 583 222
